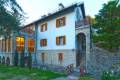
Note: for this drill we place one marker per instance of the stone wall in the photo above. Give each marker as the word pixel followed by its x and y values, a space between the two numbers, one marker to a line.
pixel 102 60
pixel 7 55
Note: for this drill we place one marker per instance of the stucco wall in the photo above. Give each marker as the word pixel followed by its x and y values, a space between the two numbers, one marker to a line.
pixel 52 32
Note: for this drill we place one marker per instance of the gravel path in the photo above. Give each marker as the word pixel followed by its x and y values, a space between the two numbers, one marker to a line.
pixel 67 78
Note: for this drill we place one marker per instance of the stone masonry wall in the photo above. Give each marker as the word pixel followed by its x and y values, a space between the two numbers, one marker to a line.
pixel 51 57
pixel 102 60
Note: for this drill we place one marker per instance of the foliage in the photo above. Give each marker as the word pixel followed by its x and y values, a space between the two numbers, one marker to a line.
pixel 107 24
pixel 11 15
pixel 22 64
pixel 30 61
pixel 90 19
pixel 33 74
pixel 109 76
pixel 16 58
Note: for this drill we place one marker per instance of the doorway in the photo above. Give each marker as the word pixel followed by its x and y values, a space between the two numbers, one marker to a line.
pixel 80 49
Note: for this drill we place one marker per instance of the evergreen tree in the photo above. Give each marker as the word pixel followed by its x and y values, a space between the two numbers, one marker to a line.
pixel 11 16
pixel 107 25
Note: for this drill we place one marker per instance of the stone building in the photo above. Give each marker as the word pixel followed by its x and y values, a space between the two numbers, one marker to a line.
pixel 60 38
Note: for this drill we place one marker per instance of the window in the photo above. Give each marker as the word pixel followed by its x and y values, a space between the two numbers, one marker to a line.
pixel 20 41
pixel 43 42
pixel 60 22
pixel 9 45
pixel 31 45
pixel 61 40
pixel 60 57
pixel 43 27
pixel 43 57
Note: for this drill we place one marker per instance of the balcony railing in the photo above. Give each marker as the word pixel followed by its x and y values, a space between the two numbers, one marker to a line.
pixel 81 23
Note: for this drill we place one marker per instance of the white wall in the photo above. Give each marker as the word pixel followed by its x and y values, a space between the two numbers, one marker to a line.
pixel 52 32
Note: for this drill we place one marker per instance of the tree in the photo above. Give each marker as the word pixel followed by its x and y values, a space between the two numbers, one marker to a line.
pixel 90 19
pixel 107 25
pixel 11 15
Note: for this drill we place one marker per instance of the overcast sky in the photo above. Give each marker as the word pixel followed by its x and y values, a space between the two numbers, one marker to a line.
pixel 34 9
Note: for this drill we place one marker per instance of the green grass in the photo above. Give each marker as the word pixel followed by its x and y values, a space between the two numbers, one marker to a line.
pixel 33 74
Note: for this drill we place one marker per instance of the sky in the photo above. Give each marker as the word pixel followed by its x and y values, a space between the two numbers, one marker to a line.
pixel 34 9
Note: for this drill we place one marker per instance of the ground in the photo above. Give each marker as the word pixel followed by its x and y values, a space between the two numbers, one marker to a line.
pixel 17 73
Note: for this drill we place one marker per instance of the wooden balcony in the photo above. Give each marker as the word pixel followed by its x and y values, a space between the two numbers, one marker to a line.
pixel 81 23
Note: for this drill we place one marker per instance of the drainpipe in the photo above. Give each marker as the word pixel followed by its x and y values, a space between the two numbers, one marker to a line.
pixel 36 28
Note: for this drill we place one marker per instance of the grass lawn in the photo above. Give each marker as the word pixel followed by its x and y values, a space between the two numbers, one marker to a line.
pixel 17 73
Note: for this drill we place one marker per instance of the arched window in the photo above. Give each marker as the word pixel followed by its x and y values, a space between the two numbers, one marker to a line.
pixel 3 60
pixel 0 60
pixel 8 61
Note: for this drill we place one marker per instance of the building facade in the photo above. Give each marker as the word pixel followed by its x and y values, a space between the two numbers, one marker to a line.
pixel 61 38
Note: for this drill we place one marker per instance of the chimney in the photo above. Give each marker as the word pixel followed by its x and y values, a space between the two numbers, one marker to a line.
pixel 61 6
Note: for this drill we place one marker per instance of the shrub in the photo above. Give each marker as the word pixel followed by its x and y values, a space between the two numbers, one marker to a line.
pixel 109 76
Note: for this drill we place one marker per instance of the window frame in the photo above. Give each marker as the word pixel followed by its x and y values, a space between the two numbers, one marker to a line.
pixel 43 42
pixel 43 27
pixel 60 57
pixel 58 22
pixel 58 42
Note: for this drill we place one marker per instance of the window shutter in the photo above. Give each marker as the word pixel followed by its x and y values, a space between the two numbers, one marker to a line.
pixel 41 28
pixel 40 42
pixel 45 42
pixel 64 40
pixel 57 40
pixel 57 23
pixel 60 56
pixel 64 20
pixel 46 26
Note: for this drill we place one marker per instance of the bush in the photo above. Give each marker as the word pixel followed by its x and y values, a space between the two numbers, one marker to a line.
pixel 109 76
pixel 106 76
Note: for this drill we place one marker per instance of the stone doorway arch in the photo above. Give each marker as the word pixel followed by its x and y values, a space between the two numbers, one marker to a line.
pixel 3 60
pixel 80 50
pixel 8 61
pixel 0 60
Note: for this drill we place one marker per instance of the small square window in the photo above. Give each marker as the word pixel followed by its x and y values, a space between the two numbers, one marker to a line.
pixel 60 22
pixel 43 42
pixel 61 40
pixel 43 27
